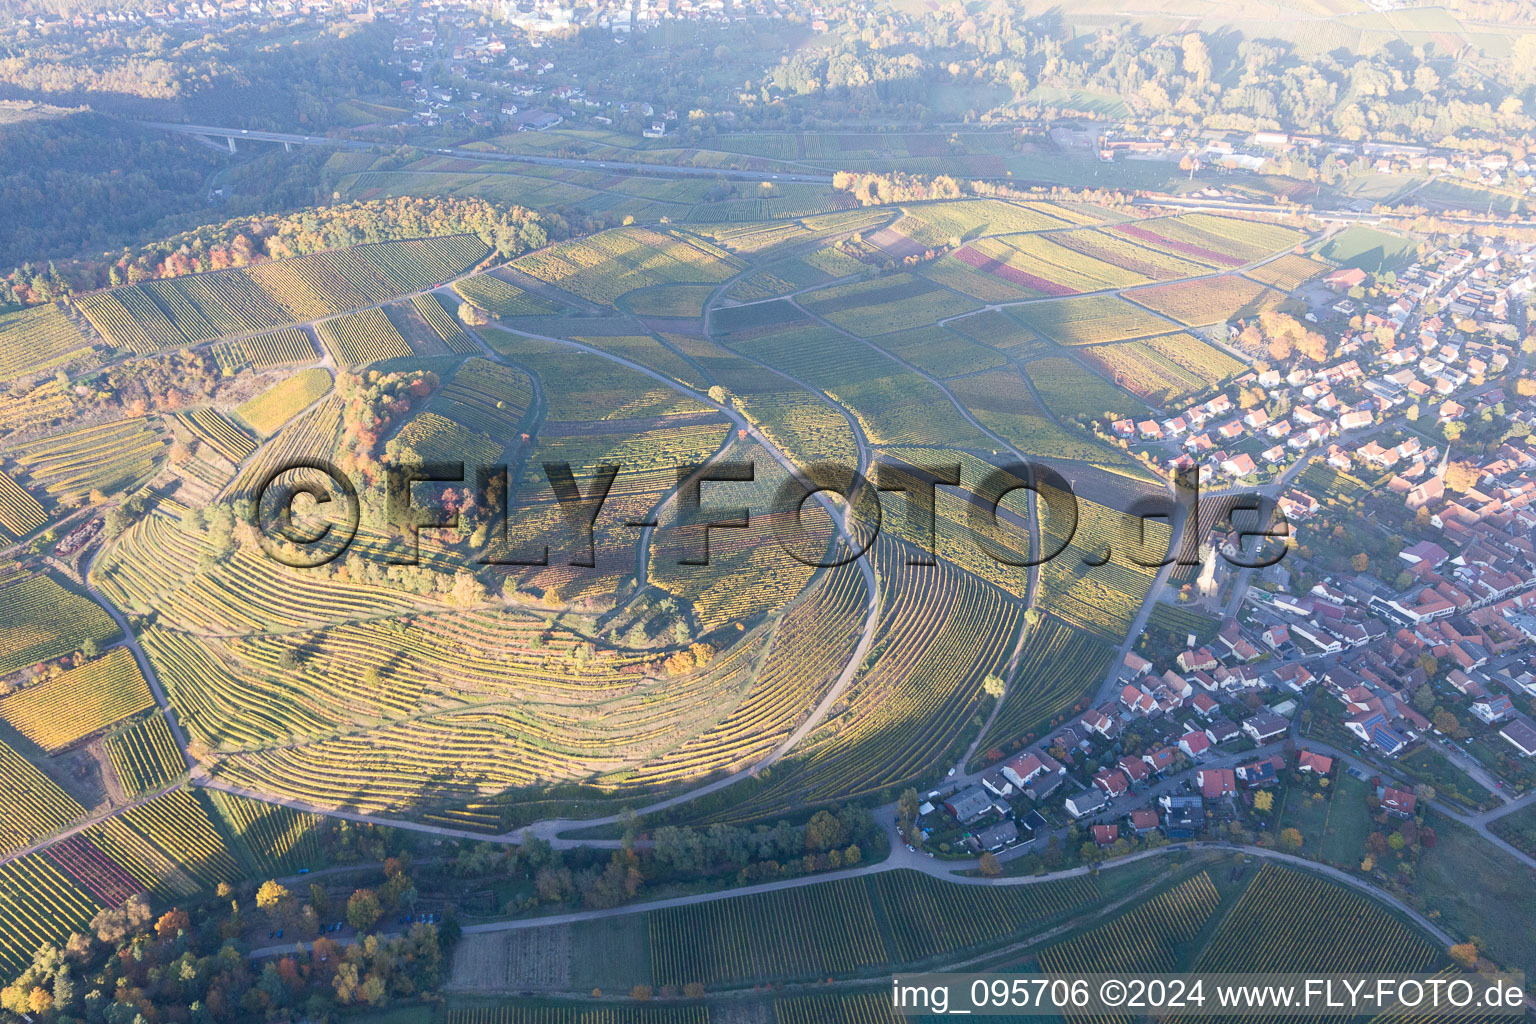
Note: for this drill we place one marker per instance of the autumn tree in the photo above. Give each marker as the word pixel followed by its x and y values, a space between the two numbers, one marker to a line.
pixel 1290 838
pixel 990 866
pixel 363 909
pixel 1263 801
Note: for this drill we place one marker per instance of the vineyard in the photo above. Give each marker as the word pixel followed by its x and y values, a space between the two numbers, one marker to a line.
pixel 38 905
pixel 928 917
pixel 1147 938
pixel 892 404
pixel 327 283
pixel 38 339
pixel 275 840
pixel 1167 369
pixel 807 931
pixel 940 632
pixel 287 347
pixel 1218 242
pixel 31 806
pixel 443 322
pixel 278 404
pixel 1291 922
pixel 366 336
pixel 869 308
pixel 177 824
pixel 1101 598
pixel 1059 667
pixel 215 430
pixel 485 397
pixel 942 352
pixel 846 927
pixel 112 457
pixel 20 513
pixel 1288 272
pixel 145 756
pixel 811 643
pixel 1210 300
pixel 129 319
pixel 848 1008
pixel 72 705
pixel 1091 318
pixel 1071 391
pixel 1035 265
pixel 40 620
pixel 604 267
pixel 939 223
pixel 1001 400
pixel 499 298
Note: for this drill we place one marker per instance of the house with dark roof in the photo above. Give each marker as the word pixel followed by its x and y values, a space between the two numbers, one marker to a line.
pixel 1521 736
pixel 1089 801
pixel 1222 731
pixel 1183 816
pixel 1266 726
pixel 997 837
pixel 969 805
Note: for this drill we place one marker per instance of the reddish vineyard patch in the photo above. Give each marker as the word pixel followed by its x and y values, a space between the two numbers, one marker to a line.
pixel 997 268
pixel 80 859
pixel 1182 248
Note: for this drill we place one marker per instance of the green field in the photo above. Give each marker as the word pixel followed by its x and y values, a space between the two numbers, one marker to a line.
pixel 1369 249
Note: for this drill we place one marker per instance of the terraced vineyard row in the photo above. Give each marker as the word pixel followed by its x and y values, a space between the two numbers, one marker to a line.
pixel 811 643
pixel 112 457
pixel 164 314
pixel 72 705
pixel 217 431
pixel 583 1014
pixel 605 266
pixel 499 298
pixel 941 632
pixel 486 397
